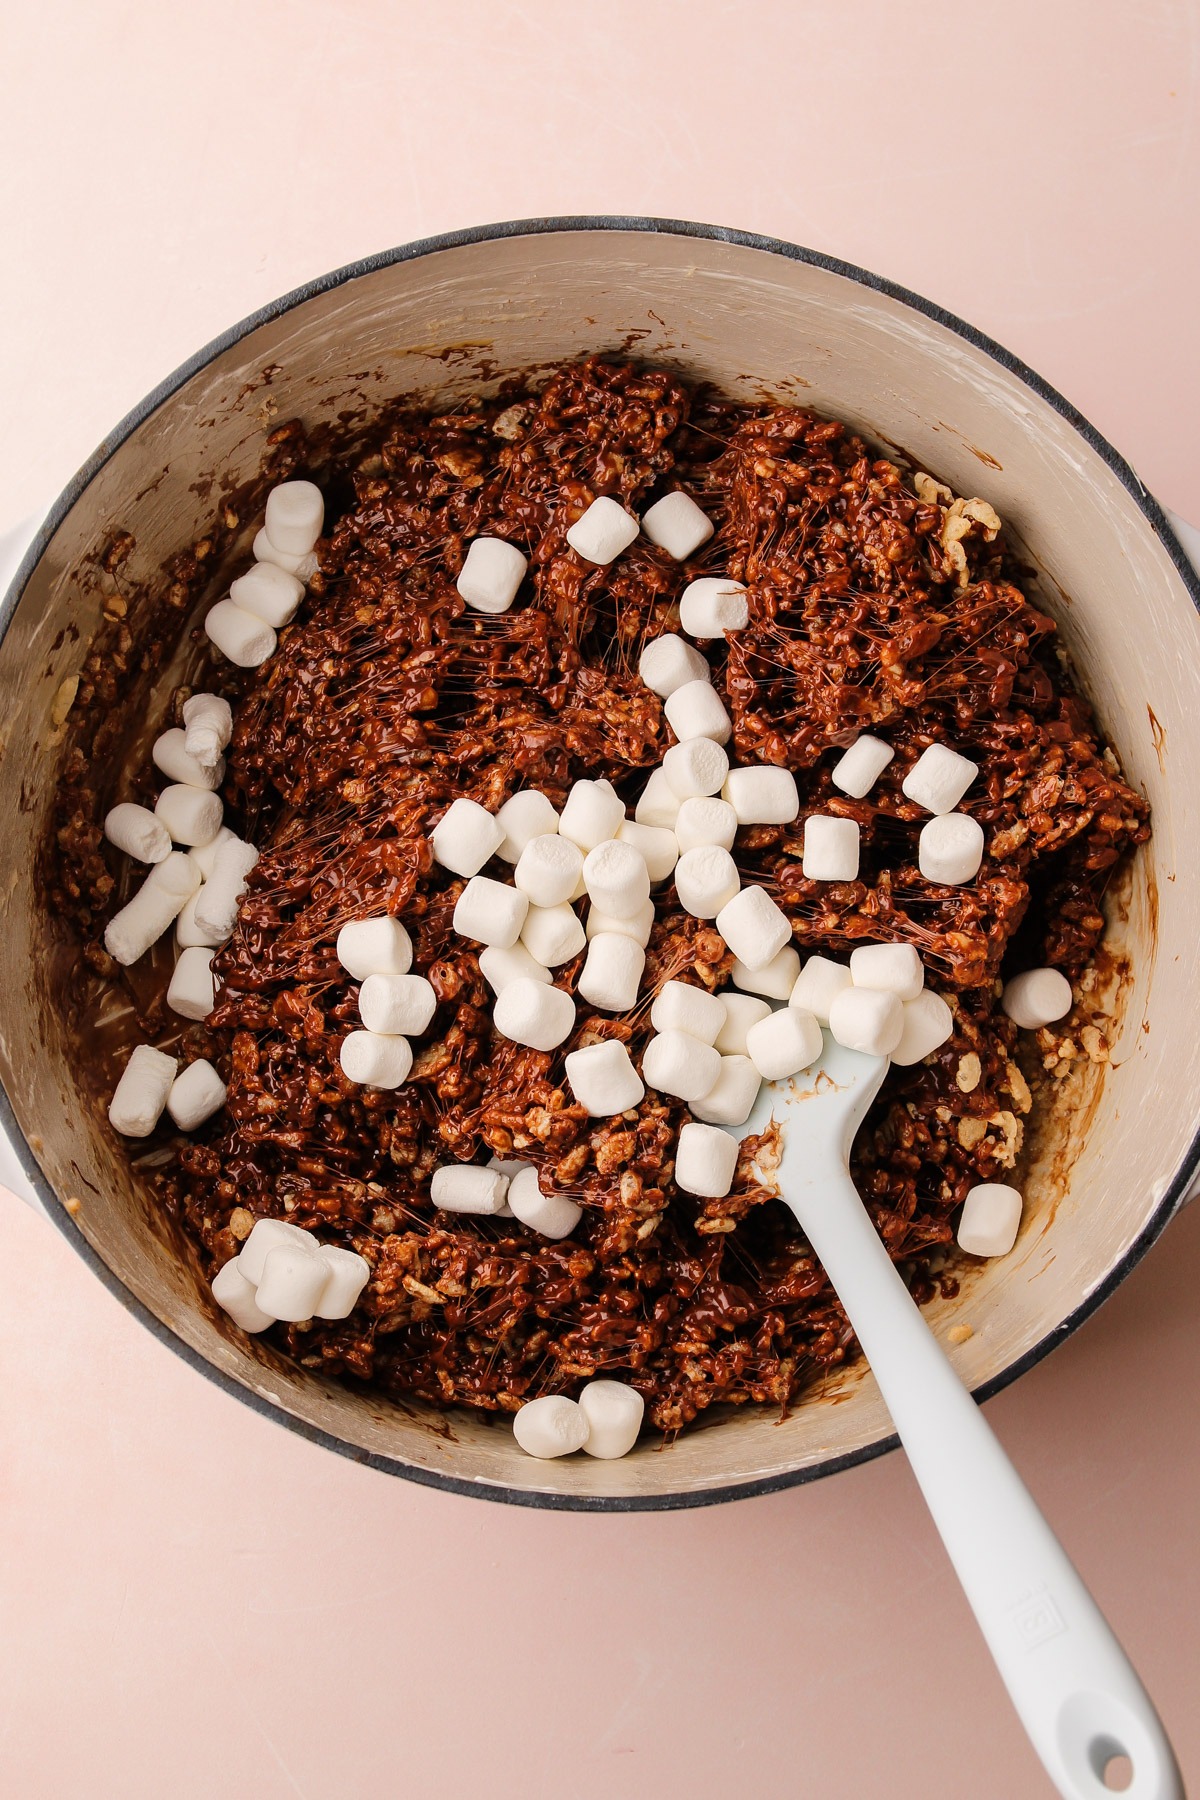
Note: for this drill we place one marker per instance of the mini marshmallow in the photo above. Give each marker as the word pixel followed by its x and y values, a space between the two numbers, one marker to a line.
pixel 656 845
pixel 939 778
pixel 170 756
pixel 638 926
pixel 928 1022
pixel 217 904
pixel 681 1006
pixel 616 878
pixel 372 1060
pixel 761 794
pixel 730 1100
pixel 551 1426
pixel 1038 997
pixel 467 1188
pixel 378 946
pixel 817 986
pixel 241 636
pixel 208 727
pixel 190 814
pixel 493 571
pixel 712 606
pixel 189 936
pixel 500 967
pixel 195 1095
pixel 668 663
pixel 268 592
pixel 396 1005
pixel 205 855
pixel 294 516
pixel 867 1019
pixel 491 912
pixel 612 972
pixel 292 1283
pixel 141 1094
pixel 603 531
pixel 950 849
pixel 192 992
pixel 831 848
pixel 137 831
pixel 613 1411
pixel 706 880
pixel 604 1080
pixel 551 1215
pixel 676 524
pixel 552 935
pixel 465 837
pixel 153 909
pixel 705 1160
pixel 858 769
pixel 703 820
pixel 991 1218
pixel 548 869
pixel 659 803
pixel 303 567
pixel 741 1012
pixel 528 1012
pixel 272 1234
pixel 775 979
pixel 592 814
pixel 783 1044
pixel 696 711
pixel 754 927
pixel 346 1275
pixel 676 1063
pixel 896 968
pixel 695 768
pixel 236 1296
pixel 522 818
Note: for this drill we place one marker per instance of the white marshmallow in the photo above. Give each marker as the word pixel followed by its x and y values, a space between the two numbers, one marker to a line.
pixel 603 531
pixel 604 1080
pixel 730 1100
pixel 528 1012
pixel 761 794
pixel 550 1426
pixel 378 946
pixel 196 1095
pixel 831 848
pixel 676 1063
pixel 950 849
pixel 241 636
pixel 170 756
pixel 858 769
pixel 268 592
pixel 551 1215
pixel 190 814
pixel 217 903
pixel 592 814
pixel 613 1411
pixel 676 524
pixel 294 516
pixel 655 844
pixel 292 1283
pixel 500 967
pixel 712 606
pixel 493 571
pixel 491 912
pixel 272 1234
pixel 346 1275
pixel 205 855
pixel 396 1005
pixel 141 1094
pixel 467 1188
pixel 237 1297
pixel 638 926
pixel 192 991
pixel 303 567
pixel 189 935
pixel 153 909
pixel 1037 997
pixel 696 711
pixel 896 968
pixel 136 831
pixel 548 869
pixel 552 935
pixel 703 820
pixel 775 979
pixel 668 663
pixel 695 768
pixel 370 1059
pixel 612 972
pixel 783 1044
pixel 705 1161
pixel 616 878
pixel 465 837
pixel 208 727
pixel 817 986
pixel 681 1006
pixel 928 1022
pixel 659 803
pixel 741 1012
pixel 528 814
pixel 754 927
pixel 867 1019
pixel 991 1219
pixel 706 880
pixel 939 778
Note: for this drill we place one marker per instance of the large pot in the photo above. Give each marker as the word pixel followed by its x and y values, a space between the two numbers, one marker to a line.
pixel 1118 1154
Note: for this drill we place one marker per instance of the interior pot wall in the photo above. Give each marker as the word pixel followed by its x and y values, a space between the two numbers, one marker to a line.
pixel 750 321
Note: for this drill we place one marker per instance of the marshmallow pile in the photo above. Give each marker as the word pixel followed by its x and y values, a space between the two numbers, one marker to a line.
pixel 282 1272
pixel 604 1421
pixel 261 602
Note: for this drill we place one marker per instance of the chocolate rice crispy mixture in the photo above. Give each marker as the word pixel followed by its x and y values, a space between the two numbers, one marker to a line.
pixel 877 602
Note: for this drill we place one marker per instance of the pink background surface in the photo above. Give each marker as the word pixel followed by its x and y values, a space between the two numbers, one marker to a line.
pixel 196 1603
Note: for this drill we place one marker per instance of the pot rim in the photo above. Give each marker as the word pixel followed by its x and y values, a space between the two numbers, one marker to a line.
pixel 1175 1191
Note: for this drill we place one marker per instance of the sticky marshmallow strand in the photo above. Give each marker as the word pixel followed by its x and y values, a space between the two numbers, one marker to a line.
pixel 140 1097
pixel 153 909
